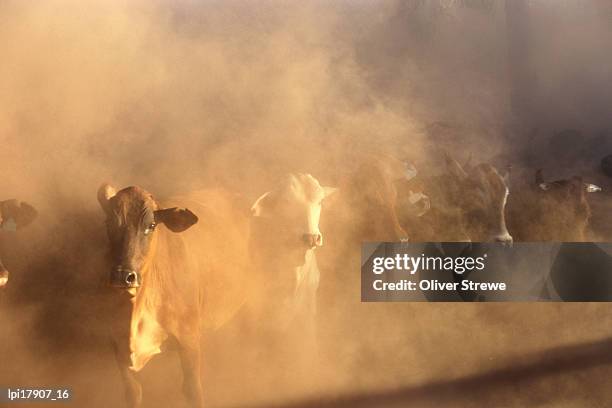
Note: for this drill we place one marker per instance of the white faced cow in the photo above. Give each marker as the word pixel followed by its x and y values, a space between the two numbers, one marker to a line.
pixel 284 235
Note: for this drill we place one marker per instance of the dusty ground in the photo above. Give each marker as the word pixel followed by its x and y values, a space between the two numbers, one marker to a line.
pixel 383 355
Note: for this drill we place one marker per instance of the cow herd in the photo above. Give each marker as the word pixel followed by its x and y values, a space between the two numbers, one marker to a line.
pixel 198 261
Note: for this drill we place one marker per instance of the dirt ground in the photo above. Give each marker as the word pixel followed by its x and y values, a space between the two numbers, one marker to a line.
pixel 380 355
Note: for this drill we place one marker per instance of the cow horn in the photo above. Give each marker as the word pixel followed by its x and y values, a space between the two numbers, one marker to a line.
pixel 105 193
pixel 257 207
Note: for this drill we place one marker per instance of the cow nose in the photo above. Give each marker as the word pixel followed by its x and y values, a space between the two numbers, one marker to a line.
pixel 505 239
pixel 131 278
pixel 125 278
pixel 313 240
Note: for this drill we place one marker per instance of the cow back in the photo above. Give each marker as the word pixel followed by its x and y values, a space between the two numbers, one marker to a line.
pixel 215 250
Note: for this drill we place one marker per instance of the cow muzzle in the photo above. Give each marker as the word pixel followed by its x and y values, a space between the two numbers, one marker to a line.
pixel 312 240
pixel 125 278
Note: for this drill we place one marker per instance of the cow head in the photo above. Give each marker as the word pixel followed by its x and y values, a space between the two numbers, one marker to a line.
pixel 14 215
pixel 565 204
pixel 290 214
pixel 563 189
pixel 477 197
pixel 132 220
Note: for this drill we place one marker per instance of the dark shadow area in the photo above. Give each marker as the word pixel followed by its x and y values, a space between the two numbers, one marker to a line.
pixel 554 362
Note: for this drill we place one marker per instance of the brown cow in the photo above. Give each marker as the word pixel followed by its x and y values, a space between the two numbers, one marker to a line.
pixel 169 273
pixel 13 216
pixel 552 211
pixel 366 206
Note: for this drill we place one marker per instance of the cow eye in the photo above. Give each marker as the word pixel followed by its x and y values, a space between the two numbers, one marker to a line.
pixel 150 228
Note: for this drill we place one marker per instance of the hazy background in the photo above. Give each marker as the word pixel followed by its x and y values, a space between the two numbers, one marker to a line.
pixel 186 94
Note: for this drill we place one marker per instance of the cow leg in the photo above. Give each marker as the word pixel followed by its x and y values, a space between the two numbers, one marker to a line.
pixel 190 354
pixel 133 389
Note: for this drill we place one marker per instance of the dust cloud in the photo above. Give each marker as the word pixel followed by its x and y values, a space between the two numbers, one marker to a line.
pixel 176 96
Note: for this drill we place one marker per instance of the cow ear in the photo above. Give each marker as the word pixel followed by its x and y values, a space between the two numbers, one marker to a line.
pixel 16 215
pixel 25 215
pixel 454 168
pixel 105 193
pixel 592 188
pixel 329 191
pixel 257 209
pixel 176 219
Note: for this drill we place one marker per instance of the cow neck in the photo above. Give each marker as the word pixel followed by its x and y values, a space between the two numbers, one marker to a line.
pixel 146 334
pixel 148 269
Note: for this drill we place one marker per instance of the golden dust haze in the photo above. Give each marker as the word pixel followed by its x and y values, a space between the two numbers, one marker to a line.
pixel 179 95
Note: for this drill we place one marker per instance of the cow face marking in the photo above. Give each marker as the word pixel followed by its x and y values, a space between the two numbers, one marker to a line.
pixel 132 218
pixel 292 212
pixel 480 196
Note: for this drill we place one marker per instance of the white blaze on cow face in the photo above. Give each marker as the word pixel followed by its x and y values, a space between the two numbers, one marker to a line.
pixel 293 210
pixel 490 199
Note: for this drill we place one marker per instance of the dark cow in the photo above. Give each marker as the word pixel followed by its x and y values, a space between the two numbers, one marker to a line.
pixel 366 208
pixel 552 211
pixel 14 215
pixel 169 271
pixel 467 204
